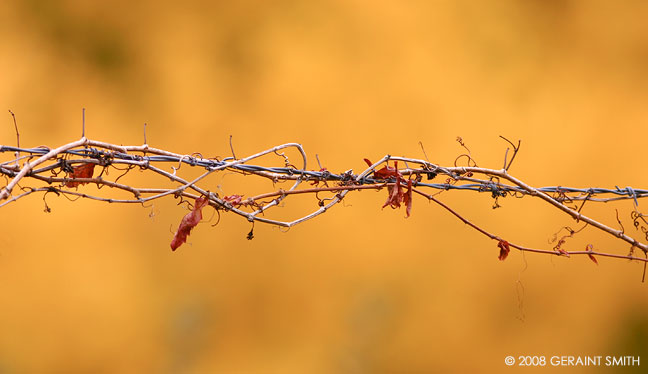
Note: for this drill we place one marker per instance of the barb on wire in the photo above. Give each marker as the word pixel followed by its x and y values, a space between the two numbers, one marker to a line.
pixel 66 169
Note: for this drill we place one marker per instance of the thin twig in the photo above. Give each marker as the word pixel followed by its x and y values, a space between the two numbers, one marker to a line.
pixel 423 149
pixel 232 147
pixel 16 127
pixel 516 149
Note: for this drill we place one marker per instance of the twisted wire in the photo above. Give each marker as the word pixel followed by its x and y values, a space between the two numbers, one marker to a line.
pixel 77 161
pixel 293 173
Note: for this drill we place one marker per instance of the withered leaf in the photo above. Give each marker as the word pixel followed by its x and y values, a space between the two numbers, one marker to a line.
pixel 386 172
pixel 234 199
pixel 407 198
pixel 396 195
pixel 189 221
pixel 590 248
pixel 504 249
pixel 81 171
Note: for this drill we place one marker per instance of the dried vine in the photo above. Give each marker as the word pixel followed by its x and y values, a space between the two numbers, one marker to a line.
pixel 63 171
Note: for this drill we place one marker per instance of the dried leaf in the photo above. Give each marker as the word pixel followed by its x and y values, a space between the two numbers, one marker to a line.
pixel 396 195
pixel 237 201
pixel 189 221
pixel 233 199
pixel 504 249
pixel 81 171
pixel 590 248
pixel 386 172
pixel 407 198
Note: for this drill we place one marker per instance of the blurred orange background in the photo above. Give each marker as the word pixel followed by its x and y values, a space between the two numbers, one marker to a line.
pixel 93 287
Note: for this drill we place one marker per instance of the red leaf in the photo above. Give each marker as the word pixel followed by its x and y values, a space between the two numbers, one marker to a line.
pixel 233 199
pixel 407 198
pixel 81 171
pixel 396 195
pixel 593 258
pixel 504 249
pixel 590 248
pixel 189 221
pixel 386 172
pixel 237 201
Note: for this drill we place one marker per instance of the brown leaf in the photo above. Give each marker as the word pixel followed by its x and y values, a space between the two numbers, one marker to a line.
pixel 504 249
pixel 396 195
pixel 233 199
pixel 237 201
pixel 189 221
pixel 386 172
pixel 81 171
pixel 590 248
pixel 407 198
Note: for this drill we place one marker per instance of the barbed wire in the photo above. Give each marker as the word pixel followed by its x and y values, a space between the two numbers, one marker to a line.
pixel 63 169
pixel 306 175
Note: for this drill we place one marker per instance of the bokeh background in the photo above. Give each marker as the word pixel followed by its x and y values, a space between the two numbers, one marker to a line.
pixel 95 288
